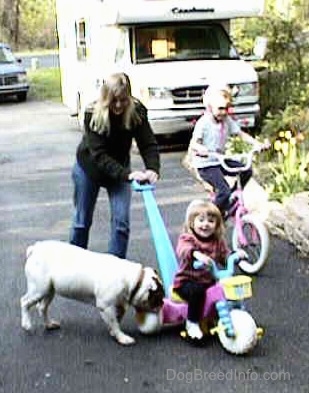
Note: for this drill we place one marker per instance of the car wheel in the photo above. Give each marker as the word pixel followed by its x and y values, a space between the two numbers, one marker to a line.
pixel 21 97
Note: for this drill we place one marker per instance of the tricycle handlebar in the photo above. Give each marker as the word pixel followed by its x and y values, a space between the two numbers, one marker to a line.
pixel 232 260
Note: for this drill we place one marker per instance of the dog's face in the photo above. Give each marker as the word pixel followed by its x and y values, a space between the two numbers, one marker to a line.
pixel 151 293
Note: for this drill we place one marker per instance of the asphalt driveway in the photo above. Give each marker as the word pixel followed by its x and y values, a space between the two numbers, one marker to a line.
pixel 37 147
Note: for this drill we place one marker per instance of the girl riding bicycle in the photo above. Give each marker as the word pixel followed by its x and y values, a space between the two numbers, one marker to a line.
pixel 210 135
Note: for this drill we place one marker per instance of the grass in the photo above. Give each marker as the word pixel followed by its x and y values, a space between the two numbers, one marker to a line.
pixel 36 52
pixel 45 84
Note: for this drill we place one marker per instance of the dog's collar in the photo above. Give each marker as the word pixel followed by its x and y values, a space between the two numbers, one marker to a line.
pixel 138 285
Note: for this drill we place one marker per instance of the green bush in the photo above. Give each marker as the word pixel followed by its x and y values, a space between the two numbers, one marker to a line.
pixel 294 118
pixel 288 170
pixel 45 84
pixel 284 98
pixel 285 167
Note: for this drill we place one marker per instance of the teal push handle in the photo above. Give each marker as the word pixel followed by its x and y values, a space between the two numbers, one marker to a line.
pixel 167 261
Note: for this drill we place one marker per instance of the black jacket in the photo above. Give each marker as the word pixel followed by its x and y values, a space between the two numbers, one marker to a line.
pixel 106 157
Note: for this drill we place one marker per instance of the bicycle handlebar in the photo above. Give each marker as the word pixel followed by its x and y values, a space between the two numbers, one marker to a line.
pixel 245 158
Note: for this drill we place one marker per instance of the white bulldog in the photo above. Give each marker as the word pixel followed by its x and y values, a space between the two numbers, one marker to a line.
pixel 108 282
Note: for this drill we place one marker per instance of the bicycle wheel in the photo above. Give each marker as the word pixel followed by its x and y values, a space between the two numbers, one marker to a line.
pixel 256 243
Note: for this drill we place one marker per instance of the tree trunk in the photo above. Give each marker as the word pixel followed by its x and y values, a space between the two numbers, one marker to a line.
pixel 16 23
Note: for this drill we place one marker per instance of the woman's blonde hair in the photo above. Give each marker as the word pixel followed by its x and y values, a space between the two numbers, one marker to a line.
pixel 115 85
pixel 200 206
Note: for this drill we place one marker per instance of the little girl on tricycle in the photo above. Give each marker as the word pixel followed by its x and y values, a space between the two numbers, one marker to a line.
pixel 196 295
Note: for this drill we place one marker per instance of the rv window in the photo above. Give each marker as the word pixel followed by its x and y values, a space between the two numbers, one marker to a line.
pixel 80 33
pixel 182 42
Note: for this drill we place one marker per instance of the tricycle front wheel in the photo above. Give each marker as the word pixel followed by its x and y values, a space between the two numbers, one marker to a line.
pixel 246 333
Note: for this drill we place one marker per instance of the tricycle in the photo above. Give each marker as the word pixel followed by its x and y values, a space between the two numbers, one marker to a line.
pixel 224 311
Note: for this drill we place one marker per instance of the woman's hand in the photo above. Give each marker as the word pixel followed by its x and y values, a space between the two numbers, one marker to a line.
pixel 139 176
pixel 148 176
pixel 152 176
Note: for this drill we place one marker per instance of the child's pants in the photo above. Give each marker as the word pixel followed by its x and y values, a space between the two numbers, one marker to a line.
pixel 195 295
pixel 215 176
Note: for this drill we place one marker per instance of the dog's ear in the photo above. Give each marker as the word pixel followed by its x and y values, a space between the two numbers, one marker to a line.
pixel 156 293
pixel 158 287
pixel 158 278
pixel 155 283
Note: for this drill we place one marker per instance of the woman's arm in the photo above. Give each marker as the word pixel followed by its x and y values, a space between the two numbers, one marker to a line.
pixel 95 147
pixel 147 145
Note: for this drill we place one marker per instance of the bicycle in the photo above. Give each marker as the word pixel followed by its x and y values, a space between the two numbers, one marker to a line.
pixel 249 232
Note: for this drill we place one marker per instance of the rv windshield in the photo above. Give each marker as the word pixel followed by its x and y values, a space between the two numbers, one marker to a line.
pixel 179 42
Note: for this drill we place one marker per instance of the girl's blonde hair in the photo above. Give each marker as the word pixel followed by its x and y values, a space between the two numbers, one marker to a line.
pixel 200 206
pixel 217 93
pixel 115 85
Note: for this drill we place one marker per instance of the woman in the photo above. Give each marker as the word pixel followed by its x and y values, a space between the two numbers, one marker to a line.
pixel 103 160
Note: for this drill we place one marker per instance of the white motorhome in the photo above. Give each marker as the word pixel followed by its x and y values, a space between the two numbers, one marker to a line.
pixel 172 50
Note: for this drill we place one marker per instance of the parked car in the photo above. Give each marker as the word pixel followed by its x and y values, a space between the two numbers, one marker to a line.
pixel 13 76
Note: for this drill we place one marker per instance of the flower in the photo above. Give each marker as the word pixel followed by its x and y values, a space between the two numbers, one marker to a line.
pixel 288 135
pixel 277 145
pixel 293 141
pixel 281 134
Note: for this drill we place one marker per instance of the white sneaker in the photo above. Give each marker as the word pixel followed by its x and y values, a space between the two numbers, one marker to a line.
pixel 193 330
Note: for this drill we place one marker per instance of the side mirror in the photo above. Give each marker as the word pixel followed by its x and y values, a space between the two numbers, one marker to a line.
pixel 259 50
pixel 260 47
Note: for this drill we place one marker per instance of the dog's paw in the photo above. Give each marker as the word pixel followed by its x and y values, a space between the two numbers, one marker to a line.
pixel 26 322
pixel 27 328
pixel 124 339
pixel 52 325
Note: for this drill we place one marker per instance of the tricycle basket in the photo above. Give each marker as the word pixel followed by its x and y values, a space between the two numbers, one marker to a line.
pixel 237 287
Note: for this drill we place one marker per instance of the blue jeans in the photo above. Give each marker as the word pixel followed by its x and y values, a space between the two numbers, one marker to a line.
pixel 85 196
